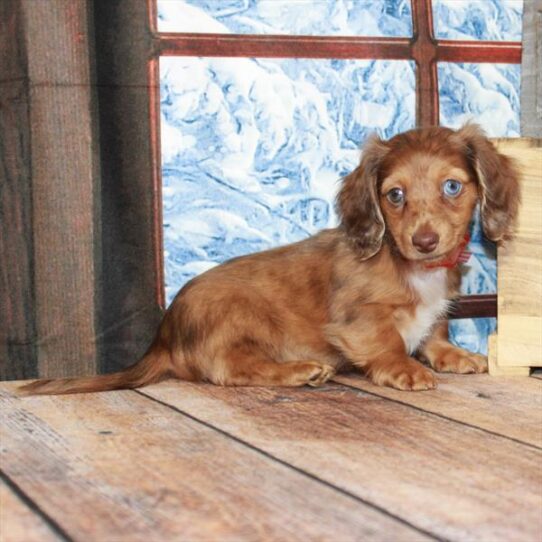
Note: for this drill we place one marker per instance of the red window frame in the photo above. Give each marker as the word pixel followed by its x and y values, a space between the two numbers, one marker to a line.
pixel 421 47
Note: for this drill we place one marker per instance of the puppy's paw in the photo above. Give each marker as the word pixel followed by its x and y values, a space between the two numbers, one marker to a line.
pixel 457 360
pixel 320 374
pixel 416 379
pixel 408 375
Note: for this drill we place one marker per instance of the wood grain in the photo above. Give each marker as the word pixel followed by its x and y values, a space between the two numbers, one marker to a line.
pixel 18 523
pixel 455 481
pixel 494 369
pixel 509 406
pixel 509 144
pixel 519 336
pixel 118 466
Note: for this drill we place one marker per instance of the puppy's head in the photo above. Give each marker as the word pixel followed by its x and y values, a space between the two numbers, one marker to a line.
pixel 421 188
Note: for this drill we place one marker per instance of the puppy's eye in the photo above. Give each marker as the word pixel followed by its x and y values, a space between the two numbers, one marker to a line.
pixel 451 188
pixel 396 196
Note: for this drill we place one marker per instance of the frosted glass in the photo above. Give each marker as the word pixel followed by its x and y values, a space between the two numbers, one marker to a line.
pixel 485 93
pixel 295 17
pixel 491 20
pixel 252 150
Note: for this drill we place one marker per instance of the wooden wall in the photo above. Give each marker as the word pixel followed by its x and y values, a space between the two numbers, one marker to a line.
pixel 531 70
pixel 78 283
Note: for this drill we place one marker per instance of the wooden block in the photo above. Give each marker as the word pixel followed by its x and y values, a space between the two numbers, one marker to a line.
pixel 496 370
pixel 520 345
pixel 519 337
pixel 509 144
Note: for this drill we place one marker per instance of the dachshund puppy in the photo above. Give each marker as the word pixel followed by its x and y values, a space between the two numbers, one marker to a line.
pixel 372 293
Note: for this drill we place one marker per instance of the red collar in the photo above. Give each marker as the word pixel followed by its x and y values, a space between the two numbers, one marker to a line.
pixel 459 255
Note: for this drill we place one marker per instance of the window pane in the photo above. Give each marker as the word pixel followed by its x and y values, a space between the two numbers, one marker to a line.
pixel 252 149
pixel 485 93
pixel 293 17
pixel 492 20
pixel 479 277
pixel 472 334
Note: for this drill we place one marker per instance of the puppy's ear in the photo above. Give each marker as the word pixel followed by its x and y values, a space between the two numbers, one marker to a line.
pixel 498 180
pixel 358 203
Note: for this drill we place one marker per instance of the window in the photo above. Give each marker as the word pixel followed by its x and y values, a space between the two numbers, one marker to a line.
pixel 228 153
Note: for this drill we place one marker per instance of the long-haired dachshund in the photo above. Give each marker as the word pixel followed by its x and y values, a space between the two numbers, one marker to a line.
pixel 372 293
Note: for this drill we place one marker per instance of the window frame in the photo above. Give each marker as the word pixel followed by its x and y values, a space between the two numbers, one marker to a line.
pixel 422 47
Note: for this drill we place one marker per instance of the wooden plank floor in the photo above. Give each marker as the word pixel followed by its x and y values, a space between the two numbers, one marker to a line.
pixel 349 461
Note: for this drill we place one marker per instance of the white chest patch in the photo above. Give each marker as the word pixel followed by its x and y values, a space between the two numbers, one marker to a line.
pixel 431 288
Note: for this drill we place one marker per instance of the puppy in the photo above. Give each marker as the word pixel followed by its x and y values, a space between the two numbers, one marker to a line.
pixel 372 293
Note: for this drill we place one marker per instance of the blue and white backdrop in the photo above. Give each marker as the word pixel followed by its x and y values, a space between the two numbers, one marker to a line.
pixel 253 149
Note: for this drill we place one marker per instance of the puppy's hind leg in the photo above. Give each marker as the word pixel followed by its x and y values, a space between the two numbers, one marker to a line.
pixel 254 369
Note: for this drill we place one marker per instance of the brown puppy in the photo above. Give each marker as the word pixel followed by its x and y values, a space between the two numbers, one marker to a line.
pixel 369 293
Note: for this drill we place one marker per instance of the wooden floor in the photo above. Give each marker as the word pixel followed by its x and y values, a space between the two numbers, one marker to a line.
pixel 349 461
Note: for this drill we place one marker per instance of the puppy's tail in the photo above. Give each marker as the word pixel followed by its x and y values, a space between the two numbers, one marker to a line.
pixel 154 366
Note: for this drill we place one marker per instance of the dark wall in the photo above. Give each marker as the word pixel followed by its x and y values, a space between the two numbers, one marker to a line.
pixel 128 309
pixel 78 279
pixel 17 325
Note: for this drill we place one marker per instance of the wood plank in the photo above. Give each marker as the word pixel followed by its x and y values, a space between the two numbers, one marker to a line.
pixel 455 481
pixel 521 343
pixel 495 370
pixel 514 143
pixel 118 466
pixel 18 523
pixel 519 337
pixel 510 406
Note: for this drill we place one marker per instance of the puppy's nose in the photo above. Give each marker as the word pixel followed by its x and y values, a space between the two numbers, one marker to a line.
pixel 425 241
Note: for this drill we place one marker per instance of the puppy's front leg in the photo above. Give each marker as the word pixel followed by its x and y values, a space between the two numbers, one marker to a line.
pixel 444 357
pixel 373 344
